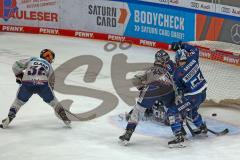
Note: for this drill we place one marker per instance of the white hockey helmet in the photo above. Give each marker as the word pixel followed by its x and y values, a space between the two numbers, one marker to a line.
pixel 181 55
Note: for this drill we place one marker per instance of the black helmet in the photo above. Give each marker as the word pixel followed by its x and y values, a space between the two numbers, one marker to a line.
pixel 161 57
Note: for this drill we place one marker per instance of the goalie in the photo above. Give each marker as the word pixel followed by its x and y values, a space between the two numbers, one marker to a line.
pixel 155 85
pixel 158 110
pixel 35 76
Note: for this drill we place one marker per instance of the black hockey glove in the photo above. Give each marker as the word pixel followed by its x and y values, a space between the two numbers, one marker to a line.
pixel 176 45
pixel 140 88
pixel 19 78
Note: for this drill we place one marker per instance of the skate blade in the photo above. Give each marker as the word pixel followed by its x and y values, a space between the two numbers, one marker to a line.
pixel 201 136
pixel 67 124
pixel 123 142
pixel 179 145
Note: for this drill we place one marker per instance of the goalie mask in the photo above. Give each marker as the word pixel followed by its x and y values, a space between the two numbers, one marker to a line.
pixel 48 55
pixel 161 58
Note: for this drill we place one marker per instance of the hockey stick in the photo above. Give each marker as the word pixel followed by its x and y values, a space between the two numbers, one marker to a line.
pixel 80 119
pixel 220 133
pixel 190 128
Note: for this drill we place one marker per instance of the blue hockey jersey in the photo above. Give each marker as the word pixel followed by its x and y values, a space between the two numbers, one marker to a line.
pixel 170 67
pixel 189 78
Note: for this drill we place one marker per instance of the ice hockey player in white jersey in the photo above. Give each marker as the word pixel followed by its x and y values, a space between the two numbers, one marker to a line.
pixel 35 76
pixel 155 85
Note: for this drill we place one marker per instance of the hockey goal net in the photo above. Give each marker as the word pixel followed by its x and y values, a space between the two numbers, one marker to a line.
pixel 221 68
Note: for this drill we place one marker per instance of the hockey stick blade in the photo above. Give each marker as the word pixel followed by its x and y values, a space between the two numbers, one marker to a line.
pixel 221 133
pixel 79 118
pixel 1 126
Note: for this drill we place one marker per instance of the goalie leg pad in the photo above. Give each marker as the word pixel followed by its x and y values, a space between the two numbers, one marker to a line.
pixel 136 113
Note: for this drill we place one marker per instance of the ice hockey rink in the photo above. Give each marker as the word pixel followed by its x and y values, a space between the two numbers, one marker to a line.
pixel 37 134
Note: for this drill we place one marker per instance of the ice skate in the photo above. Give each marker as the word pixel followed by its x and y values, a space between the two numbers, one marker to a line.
pixel 6 122
pixel 177 142
pixel 202 130
pixel 125 138
pixel 62 115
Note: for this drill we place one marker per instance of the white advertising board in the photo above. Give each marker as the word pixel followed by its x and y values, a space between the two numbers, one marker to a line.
pixel 90 15
pixel 43 13
pixel 202 6
pixel 157 1
pixel 95 15
pixel 197 5
pixel 228 10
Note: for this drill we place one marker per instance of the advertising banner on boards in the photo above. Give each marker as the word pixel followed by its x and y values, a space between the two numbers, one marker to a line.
pixel 30 12
pixel 217 29
pixel 93 15
pixel 154 23
pixel 224 7
pixel 160 24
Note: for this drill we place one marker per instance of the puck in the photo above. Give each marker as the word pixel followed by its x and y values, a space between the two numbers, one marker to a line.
pixel 214 114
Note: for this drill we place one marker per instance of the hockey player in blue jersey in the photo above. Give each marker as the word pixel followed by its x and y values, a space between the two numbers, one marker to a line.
pixel 155 85
pixel 190 89
pixel 35 76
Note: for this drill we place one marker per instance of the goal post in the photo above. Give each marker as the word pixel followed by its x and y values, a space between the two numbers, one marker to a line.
pixel 221 68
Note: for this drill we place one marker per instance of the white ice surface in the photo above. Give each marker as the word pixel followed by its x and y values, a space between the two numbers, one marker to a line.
pixel 36 134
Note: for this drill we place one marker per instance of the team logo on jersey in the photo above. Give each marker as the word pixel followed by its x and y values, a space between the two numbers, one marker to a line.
pixel 235 33
pixel 7 8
